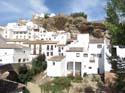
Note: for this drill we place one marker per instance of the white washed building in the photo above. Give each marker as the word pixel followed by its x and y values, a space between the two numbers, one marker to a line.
pixel 84 55
pixel 11 53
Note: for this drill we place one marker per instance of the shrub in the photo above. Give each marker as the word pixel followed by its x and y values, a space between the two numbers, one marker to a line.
pixel 80 14
pixel 39 64
pixel 78 79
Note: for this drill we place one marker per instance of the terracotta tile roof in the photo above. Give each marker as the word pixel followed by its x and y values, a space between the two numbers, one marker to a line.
pixel 56 58
pixel 40 42
pixel 75 49
pixel 95 40
pixel 61 44
pixel 16 40
pixel 11 46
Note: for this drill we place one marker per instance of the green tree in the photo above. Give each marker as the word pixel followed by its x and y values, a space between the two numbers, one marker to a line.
pixel 116 26
pixel 39 64
pixel 116 20
pixel 24 74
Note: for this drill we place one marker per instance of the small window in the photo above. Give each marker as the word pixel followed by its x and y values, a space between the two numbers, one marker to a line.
pixel 99 46
pixel 51 47
pixel 44 31
pixel 5 53
pixel 55 46
pixel 23 51
pixel 19 60
pixel 93 55
pixel 61 54
pixel 99 55
pixel 47 53
pixel 92 61
pixel 62 48
pixel 59 50
pixel 85 55
pixel 0 60
pixel 77 54
pixel 53 63
pixel 47 47
pixel 24 60
pixel 90 67
pixel 51 53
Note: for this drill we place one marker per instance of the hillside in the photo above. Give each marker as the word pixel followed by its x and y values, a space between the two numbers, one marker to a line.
pixel 74 23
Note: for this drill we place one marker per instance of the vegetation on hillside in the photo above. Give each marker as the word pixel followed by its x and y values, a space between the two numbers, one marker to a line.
pixel 38 65
pixel 116 26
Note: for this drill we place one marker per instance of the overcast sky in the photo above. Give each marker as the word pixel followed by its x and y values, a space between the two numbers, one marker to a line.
pixel 12 10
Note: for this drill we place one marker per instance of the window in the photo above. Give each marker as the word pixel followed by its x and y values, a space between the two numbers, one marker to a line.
pixel 92 61
pixel 53 63
pixel 61 54
pixel 24 52
pixel 47 53
pixel 62 48
pixel 93 55
pixel 0 60
pixel 90 67
pixel 19 60
pixel 55 46
pixel 23 60
pixel 51 53
pixel 59 50
pixel 5 53
pixel 34 50
pixel 47 47
pixel 44 31
pixel 99 55
pixel 85 55
pixel 51 47
pixel 99 46
pixel 114 51
pixel 77 54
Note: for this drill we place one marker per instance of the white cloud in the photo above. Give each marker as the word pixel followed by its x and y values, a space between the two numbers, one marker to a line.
pixel 93 8
pixel 39 6
pixel 8 7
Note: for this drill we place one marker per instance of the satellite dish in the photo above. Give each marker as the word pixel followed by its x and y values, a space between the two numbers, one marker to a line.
pixel 4 75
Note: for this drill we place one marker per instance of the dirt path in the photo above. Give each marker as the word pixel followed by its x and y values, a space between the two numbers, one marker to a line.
pixel 33 88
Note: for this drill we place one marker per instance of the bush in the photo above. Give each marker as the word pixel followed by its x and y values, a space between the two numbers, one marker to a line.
pixel 25 90
pixel 80 14
pixel 24 74
pixel 78 79
pixel 71 77
pixel 39 64
pixel 57 85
